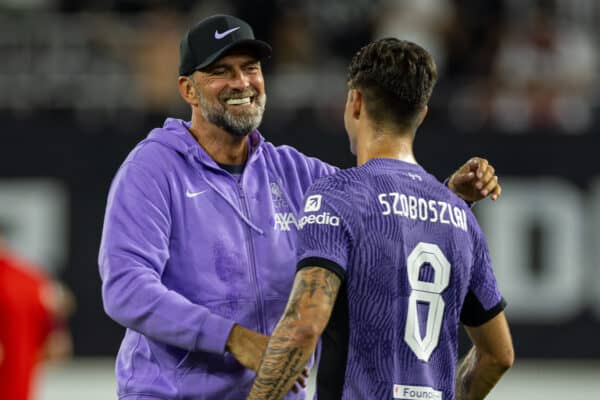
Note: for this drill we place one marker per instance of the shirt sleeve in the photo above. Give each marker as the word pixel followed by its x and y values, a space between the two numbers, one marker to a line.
pixel 325 232
pixel 133 255
pixel 483 300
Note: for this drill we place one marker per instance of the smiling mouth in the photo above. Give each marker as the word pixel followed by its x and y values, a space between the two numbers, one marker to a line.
pixel 240 101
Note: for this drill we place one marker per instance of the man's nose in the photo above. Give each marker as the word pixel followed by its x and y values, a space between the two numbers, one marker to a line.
pixel 240 80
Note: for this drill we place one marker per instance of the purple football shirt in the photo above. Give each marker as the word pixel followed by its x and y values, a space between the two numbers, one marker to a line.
pixel 414 264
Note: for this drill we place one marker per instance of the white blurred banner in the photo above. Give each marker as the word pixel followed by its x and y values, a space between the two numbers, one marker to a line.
pixel 34 218
pixel 544 235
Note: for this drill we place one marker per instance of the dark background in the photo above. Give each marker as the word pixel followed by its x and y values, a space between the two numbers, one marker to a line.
pixel 81 82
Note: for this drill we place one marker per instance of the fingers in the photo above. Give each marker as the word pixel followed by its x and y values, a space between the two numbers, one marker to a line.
pixel 485 178
pixel 488 174
pixel 460 178
pixel 474 168
pixel 478 174
pixel 479 166
pixel 490 186
pixel 496 192
pixel 300 382
pixel 473 163
pixel 487 182
pixel 466 173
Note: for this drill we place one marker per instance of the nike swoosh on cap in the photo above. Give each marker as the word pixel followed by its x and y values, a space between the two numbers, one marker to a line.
pixel 227 32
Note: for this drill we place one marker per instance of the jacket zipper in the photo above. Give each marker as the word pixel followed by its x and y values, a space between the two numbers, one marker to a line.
pixel 253 277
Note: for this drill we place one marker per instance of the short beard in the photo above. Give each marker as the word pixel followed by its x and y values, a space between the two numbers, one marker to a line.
pixel 237 125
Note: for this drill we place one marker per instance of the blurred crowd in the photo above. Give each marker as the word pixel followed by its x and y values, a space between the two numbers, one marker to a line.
pixel 508 66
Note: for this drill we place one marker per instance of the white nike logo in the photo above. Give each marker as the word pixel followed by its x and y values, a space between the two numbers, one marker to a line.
pixel 222 35
pixel 189 194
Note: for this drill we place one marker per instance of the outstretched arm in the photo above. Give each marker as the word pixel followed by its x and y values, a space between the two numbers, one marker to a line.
pixel 295 337
pixel 475 180
pixel 247 346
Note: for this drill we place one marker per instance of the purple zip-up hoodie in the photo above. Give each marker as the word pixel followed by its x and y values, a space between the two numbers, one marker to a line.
pixel 188 250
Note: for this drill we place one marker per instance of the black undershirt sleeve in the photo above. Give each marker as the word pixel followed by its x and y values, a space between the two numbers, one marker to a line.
pixel 323 263
pixel 473 313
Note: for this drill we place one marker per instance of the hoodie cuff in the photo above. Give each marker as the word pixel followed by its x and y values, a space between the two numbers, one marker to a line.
pixel 214 334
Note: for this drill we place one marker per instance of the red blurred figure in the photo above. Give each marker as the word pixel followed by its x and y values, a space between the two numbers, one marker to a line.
pixel 33 310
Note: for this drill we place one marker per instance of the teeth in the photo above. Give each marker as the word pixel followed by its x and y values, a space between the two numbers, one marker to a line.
pixel 244 100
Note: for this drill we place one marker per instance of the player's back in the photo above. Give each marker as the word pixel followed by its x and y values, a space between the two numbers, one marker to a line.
pixel 413 248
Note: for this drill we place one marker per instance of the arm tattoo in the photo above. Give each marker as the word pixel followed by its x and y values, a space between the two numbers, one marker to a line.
pixel 295 337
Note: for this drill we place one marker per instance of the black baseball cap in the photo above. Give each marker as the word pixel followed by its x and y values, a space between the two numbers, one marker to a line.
pixel 212 37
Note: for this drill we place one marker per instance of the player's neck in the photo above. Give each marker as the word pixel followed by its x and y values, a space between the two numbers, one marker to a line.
pixel 220 145
pixel 385 145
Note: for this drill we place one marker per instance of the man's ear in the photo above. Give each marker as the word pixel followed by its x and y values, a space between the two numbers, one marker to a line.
pixel 187 91
pixel 356 102
pixel 422 115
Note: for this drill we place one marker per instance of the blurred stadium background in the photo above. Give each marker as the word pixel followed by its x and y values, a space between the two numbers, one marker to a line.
pixel 81 81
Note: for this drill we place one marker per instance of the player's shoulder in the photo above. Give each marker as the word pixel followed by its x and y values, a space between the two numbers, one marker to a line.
pixel 344 180
pixel 441 193
pixel 457 202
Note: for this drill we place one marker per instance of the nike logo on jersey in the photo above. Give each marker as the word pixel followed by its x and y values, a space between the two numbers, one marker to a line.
pixel 189 194
pixel 220 36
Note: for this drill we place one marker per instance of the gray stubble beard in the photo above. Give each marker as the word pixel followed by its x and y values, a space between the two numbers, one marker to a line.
pixel 236 125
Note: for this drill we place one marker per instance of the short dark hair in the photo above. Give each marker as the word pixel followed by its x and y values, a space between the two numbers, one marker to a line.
pixel 396 77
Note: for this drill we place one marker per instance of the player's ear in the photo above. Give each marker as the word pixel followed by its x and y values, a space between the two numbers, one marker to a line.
pixel 187 91
pixel 356 105
pixel 422 115
pixel 349 97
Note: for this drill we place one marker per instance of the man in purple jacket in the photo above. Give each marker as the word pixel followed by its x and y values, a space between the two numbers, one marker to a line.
pixel 199 238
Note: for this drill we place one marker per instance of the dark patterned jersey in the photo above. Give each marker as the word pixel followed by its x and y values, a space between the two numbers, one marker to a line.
pixel 414 264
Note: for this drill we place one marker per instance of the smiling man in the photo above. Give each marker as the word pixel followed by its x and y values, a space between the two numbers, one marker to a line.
pixel 199 236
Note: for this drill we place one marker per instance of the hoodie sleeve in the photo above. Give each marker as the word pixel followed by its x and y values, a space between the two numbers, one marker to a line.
pixel 133 254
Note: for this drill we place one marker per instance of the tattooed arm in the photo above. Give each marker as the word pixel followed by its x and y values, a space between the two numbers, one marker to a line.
pixel 295 337
pixel 489 358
